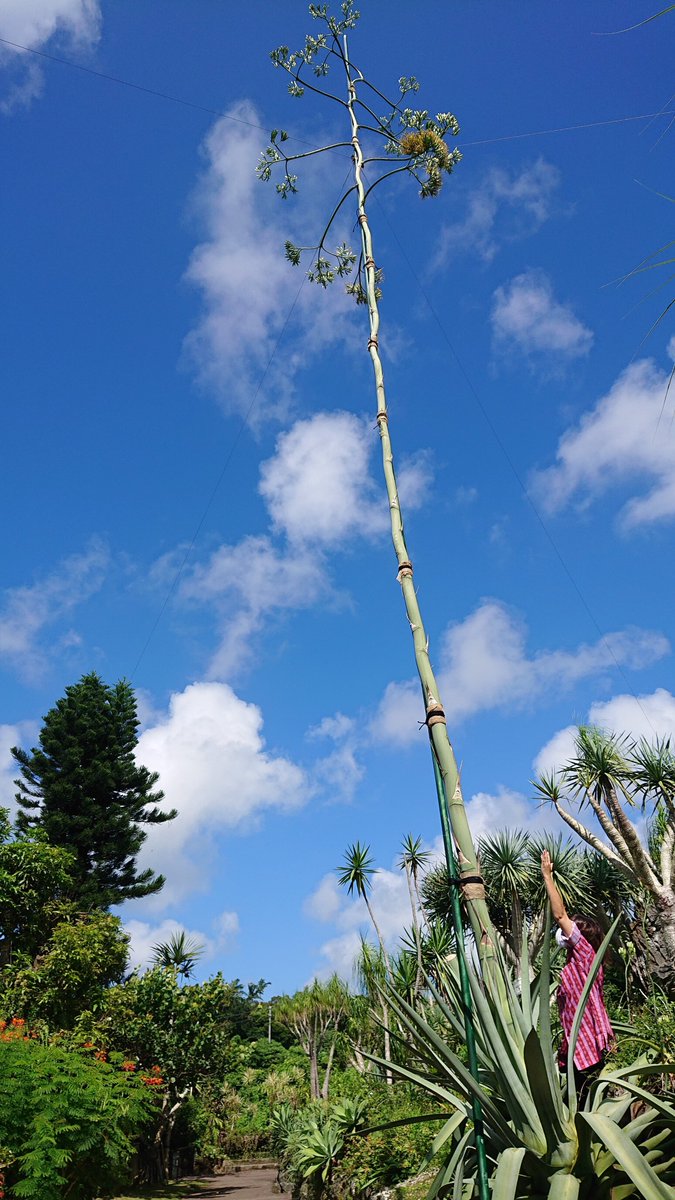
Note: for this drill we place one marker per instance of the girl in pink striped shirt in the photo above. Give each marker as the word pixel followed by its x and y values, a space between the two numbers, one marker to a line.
pixel 581 937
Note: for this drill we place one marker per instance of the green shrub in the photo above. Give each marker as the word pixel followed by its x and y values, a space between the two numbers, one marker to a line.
pixel 67 1120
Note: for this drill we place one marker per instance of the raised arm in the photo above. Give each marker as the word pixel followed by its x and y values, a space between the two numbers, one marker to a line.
pixel 557 907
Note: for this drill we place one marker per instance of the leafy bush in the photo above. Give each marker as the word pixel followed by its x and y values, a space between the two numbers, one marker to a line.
pixel 67 1119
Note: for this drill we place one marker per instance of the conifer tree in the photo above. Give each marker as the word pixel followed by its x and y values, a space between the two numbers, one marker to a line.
pixel 82 789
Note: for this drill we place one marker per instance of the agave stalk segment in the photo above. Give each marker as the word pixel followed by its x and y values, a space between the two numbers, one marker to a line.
pixel 435 715
pixel 467 1006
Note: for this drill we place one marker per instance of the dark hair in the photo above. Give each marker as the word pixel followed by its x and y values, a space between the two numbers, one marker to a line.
pixel 590 929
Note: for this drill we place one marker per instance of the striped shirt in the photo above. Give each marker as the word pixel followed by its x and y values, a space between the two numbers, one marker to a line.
pixel 595 1033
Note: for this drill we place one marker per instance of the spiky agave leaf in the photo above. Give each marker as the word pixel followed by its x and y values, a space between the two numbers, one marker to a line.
pixel 539 1142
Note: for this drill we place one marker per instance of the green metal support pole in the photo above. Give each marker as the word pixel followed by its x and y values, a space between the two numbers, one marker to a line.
pixel 467 1003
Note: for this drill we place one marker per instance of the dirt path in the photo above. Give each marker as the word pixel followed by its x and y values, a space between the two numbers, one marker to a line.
pixel 255 1184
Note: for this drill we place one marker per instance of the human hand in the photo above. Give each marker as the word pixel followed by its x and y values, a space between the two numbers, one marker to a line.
pixel 546 865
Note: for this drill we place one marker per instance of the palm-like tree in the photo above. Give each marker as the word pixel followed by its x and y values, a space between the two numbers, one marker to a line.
pixel 507 870
pixel 179 953
pixel 611 775
pixel 373 970
pixel 356 875
pixel 413 860
pixel 510 865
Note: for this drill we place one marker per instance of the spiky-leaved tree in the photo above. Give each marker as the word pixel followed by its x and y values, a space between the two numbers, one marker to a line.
pixel 413 860
pixel 405 141
pixel 179 953
pixel 611 776
pixel 355 875
pixel 510 861
pixel 315 1015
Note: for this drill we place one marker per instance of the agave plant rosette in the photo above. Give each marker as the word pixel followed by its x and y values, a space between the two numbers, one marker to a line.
pixel 540 1141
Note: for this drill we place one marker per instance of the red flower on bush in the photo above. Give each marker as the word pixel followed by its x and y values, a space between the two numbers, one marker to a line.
pixel 129 1066
pixel 154 1079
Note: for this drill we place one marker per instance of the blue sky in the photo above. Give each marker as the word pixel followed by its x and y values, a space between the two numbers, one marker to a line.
pixel 191 481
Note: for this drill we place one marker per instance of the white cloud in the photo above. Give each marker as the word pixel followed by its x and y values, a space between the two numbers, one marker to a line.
pixel 325 902
pixel 25 612
pixel 246 583
pixel 33 23
pixel 506 206
pixel 336 727
pixel 144 936
pixel 624 438
pixel 465 495
pixel 318 487
pixel 250 294
pixel 646 716
pixel 227 927
pixel 649 716
pixel 558 750
pixel 321 496
pixel 483 664
pixel 214 768
pixel 339 773
pixel 487 813
pixel 24 734
pixel 528 320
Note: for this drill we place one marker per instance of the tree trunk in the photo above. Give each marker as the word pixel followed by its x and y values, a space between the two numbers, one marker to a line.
pixel 387 1044
pixel 378 934
pixel 314 1088
pixel 329 1067
pixel 416 930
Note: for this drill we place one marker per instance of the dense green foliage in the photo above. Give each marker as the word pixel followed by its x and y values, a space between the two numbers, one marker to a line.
pixel 83 954
pixel 82 788
pixel 35 878
pixel 132 1074
pixel 68 1121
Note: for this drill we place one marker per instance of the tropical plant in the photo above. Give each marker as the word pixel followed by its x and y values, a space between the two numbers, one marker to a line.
pixel 540 1141
pixel 610 775
pixel 414 861
pixel 355 874
pixel 35 879
pixel 372 969
pixel 179 953
pixel 181 1033
pixel 83 956
pixel 316 1015
pixel 311 1141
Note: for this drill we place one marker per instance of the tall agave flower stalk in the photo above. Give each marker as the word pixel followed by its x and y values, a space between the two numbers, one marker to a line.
pixel 417 147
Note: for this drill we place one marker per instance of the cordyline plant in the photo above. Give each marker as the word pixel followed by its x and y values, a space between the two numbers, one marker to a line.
pixel 509 1129
pixel 611 776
